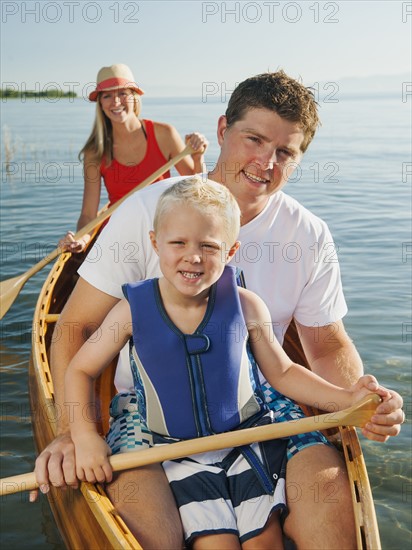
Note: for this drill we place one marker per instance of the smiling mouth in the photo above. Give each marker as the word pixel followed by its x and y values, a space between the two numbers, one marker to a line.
pixel 190 274
pixel 255 178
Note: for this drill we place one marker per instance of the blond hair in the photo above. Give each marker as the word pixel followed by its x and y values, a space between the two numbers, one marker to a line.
pixel 207 196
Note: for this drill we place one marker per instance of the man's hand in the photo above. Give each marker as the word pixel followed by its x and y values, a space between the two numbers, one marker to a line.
pixel 56 465
pixel 335 359
pixel 387 420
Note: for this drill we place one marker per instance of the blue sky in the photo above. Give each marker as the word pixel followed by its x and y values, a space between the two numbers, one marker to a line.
pixel 179 47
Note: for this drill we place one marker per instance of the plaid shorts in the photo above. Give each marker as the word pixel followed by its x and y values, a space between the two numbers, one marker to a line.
pixel 285 410
pixel 128 430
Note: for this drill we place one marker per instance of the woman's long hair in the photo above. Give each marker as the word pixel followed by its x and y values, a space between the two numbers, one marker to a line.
pixel 100 141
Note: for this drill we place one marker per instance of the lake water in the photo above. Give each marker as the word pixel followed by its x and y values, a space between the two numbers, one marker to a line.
pixel 356 175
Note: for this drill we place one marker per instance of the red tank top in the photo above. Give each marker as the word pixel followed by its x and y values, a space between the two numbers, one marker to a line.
pixel 119 179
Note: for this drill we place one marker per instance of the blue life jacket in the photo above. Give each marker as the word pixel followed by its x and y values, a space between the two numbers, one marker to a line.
pixel 194 384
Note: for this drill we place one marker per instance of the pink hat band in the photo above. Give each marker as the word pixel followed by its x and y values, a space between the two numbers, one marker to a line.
pixel 116 83
pixel 113 84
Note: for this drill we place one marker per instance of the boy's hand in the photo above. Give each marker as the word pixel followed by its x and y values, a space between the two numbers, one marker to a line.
pixel 92 464
pixel 365 385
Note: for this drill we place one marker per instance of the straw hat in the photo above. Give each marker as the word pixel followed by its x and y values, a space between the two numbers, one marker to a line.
pixel 114 77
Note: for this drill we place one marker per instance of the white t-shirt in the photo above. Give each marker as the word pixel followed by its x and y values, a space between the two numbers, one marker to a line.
pixel 287 255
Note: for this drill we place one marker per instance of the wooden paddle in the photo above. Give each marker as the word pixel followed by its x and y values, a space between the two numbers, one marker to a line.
pixel 357 415
pixel 10 288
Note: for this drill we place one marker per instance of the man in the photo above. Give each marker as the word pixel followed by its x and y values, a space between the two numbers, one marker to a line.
pixel 269 123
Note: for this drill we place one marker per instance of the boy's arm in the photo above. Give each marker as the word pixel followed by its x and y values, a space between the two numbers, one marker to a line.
pixel 83 313
pixel 93 357
pixel 292 379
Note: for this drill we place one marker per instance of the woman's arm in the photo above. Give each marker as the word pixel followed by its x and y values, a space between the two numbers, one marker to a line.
pixel 171 144
pixel 291 379
pixel 92 358
pixel 90 205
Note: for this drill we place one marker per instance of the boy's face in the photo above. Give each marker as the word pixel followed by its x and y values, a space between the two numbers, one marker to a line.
pixel 192 248
pixel 258 155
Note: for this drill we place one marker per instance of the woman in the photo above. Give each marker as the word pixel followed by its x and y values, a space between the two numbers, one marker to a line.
pixel 123 149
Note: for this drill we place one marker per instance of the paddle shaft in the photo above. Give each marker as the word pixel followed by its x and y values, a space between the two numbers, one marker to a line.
pixel 10 288
pixel 358 415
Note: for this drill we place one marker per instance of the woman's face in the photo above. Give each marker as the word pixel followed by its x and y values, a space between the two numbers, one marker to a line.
pixel 119 105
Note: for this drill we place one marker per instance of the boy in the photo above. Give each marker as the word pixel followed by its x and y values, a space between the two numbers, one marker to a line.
pixel 193 374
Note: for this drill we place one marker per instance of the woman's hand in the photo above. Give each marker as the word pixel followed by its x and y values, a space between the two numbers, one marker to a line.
pixel 198 142
pixel 69 244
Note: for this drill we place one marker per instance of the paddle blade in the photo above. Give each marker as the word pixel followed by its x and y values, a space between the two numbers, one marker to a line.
pixel 9 290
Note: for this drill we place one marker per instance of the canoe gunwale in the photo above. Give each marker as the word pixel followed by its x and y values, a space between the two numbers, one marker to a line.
pixel 367 529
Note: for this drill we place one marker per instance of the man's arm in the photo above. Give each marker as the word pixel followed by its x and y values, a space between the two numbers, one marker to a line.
pixel 332 355
pixel 82 315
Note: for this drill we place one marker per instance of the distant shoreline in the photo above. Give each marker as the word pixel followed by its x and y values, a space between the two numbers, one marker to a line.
pixel 51 93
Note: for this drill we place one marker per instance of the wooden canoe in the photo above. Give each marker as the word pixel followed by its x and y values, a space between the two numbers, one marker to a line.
pixel 86 518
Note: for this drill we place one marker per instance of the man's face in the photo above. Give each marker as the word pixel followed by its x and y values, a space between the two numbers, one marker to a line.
pixel 258 155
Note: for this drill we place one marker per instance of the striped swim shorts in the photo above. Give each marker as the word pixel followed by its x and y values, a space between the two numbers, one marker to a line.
pixel 229 491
